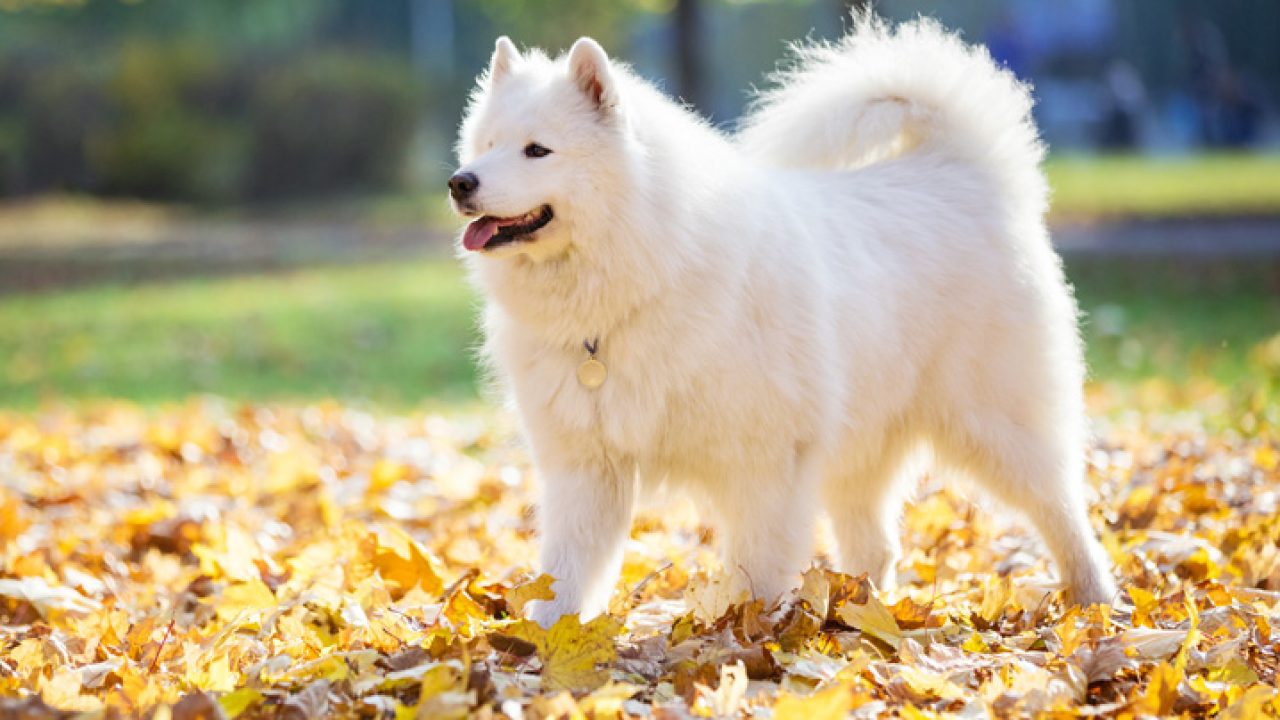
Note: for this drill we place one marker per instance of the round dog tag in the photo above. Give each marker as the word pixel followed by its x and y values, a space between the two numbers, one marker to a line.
pixel 591 373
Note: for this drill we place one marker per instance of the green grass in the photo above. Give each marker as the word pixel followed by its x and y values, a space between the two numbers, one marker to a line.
pixel 391 333
pixel 401 334
pixel 1131 185
pixel 1161 318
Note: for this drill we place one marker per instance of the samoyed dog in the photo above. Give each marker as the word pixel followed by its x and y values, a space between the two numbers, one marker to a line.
pixel 783 321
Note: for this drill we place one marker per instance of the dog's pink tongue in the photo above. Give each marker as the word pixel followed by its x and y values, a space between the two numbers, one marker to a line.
pixel 478 233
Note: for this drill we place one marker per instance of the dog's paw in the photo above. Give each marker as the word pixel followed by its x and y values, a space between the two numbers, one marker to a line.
pixel 1098 590
pixel 545 612
pixel 1091 584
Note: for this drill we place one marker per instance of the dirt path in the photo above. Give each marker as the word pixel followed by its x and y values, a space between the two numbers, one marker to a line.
pixel 1226 238
pixel 226 247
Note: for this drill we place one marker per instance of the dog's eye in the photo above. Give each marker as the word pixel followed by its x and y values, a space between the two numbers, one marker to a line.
pixel 534 150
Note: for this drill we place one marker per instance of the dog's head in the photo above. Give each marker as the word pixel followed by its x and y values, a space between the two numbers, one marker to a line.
pixel 539 144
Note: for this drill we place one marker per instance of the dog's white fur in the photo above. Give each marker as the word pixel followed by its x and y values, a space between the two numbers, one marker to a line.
pixel 860 277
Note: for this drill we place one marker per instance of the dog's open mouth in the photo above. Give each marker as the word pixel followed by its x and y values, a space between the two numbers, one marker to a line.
pixel 490 232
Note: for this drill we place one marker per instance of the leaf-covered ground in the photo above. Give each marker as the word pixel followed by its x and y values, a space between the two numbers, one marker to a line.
pixel 313 561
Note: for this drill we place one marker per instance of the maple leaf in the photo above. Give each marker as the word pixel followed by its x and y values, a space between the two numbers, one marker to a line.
pixel 833 703
pixel 13 520
pixel 1161 691
pixel 872 618
pixel 305 601
pixel 406 565
pixel 1144 602
pixel 63 691
pixel 216 676
pixel 238 701
pixel 574 656
pixel 47 599
pixel 1259 701
pixel 816 591
pixel 923 685
pixel 538 588
pixel 711 597
pixel 244 599
pixel 608 700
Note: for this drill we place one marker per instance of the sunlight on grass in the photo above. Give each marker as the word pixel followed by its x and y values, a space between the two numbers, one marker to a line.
pixel 394 333
pixel 401 334
pixel 1129 185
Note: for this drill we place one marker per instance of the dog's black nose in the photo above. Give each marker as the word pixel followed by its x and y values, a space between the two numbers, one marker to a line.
pixel 463 184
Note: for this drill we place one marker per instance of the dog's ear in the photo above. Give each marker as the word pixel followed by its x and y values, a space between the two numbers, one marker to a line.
pixel 589 68
pixel 505 57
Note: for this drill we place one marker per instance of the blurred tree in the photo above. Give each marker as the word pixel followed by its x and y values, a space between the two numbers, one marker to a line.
pixel 432 30
pixel 687 25
pixel 555 24
pixel 542 23
pixel 845 8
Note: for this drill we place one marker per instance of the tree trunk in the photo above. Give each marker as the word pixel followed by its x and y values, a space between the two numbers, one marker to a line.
pixel 688 41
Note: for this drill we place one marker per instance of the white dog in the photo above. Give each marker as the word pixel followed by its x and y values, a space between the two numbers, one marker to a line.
pixel 778 322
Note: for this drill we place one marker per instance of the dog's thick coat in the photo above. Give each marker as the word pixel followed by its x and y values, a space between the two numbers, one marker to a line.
pixel 791 316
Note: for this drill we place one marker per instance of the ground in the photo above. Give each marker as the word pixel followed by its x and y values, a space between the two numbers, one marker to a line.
pixel 318 560
pixel 287 557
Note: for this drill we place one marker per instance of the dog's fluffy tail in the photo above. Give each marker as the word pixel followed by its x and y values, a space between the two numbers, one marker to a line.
pixel 883 92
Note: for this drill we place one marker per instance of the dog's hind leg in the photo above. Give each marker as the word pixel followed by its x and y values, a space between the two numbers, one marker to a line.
pixel 766 527
pixel 1039 473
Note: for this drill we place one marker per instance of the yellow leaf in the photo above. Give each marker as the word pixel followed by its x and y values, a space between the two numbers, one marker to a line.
pixel 1143 603
pixel 13 521
pixel 574 656
pixel 386 473
pixel 560 706
pixel 997 598
pixel 1258 701
pixel 229 553
pixel 975 644
pixel 927 684
pixel 62 691
pixel 537 589
pixel 28 656
pixel 711 597
pixel 1070 633
pixel 405 564
pixel 237 701
pixel 874 619
pixel 830 704
pixel 1235 672
pixel 1161 692
pixel 216 676
pixel 1266 457
pixel 607 701
pixel 816 590
pixel 442 693
pixel 244 598
pixel 463 613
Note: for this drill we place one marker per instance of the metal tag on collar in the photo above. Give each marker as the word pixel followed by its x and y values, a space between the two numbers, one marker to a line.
pixel 592 373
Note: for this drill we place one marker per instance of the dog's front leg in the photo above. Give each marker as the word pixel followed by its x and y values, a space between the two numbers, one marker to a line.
pixel 584 519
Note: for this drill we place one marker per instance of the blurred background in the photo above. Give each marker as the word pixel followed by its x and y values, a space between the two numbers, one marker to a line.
pixel 244 198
